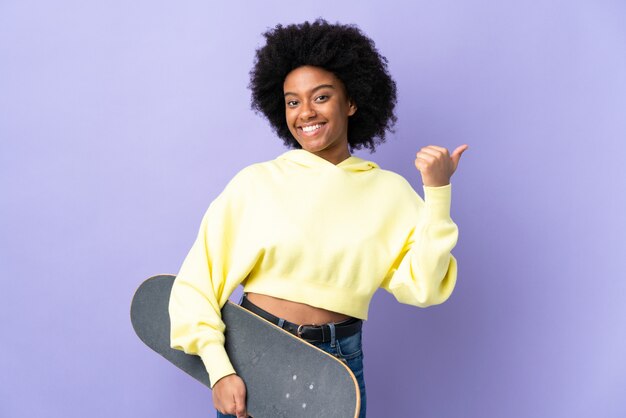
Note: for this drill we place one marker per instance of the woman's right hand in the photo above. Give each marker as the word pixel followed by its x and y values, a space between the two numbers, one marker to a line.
pixel 229 396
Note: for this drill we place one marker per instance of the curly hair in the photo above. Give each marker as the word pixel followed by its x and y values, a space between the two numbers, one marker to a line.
pixel 341 49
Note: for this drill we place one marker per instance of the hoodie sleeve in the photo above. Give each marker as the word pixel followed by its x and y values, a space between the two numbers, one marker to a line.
pixel 211 271
pixel 424 272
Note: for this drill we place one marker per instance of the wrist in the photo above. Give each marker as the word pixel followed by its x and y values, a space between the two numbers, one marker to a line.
pixel 435 182
pixel 223 378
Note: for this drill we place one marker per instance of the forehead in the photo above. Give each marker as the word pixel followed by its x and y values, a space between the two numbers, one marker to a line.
pixel 306 78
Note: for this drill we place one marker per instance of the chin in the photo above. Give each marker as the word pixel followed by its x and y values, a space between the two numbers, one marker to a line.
pixel 314 149
pixel 315 146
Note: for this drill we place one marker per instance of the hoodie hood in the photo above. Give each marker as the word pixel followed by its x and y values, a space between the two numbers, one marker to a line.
pixel 310 160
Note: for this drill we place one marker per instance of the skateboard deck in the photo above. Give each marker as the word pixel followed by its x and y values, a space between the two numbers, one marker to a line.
pixel 284 375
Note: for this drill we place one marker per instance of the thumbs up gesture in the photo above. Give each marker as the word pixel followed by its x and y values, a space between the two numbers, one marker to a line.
pixel 437 165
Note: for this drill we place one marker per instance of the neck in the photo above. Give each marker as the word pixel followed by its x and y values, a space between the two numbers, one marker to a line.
pixel 334 156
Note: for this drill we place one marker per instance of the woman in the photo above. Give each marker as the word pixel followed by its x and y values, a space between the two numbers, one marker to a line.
pixel 314 233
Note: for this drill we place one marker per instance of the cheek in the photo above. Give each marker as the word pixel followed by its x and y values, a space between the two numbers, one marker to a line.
pixel 290 120
pixel 289 117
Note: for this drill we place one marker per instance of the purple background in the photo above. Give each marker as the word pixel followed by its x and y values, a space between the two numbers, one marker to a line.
pixel 121 121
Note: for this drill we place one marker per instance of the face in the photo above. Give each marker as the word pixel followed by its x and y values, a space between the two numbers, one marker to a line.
pixel 317 110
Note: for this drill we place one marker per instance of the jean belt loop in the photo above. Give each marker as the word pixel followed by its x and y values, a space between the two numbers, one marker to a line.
pixel 281 322
pixel 331 325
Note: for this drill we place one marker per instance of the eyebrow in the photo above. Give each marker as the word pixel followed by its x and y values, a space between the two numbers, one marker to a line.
pixel 321 86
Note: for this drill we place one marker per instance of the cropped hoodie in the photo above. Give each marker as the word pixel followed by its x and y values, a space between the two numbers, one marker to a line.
pixel 304 229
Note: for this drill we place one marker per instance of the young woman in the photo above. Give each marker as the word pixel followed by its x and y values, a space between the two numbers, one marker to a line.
pixel 312 234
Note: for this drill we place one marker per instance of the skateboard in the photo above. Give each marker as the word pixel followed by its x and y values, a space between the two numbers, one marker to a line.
pixel 285 376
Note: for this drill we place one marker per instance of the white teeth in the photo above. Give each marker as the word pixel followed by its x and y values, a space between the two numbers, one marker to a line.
pixel 311 128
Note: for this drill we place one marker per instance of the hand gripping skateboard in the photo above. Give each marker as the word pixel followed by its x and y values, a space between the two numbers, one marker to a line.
pixel 285 376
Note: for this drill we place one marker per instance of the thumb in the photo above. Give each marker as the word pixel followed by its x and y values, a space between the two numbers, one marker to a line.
pixel 456 154
pixel 240 406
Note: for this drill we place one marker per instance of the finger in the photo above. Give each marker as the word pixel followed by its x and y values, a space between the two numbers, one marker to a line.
pixel 460 149
pixel 433 151
pixel 456 154
pixel 217 403
pixel 438 148
pixel 240 405
pixel 421 165
pixel 426 157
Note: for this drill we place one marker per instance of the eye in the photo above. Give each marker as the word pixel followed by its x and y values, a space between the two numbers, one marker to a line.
pixel 292 103
pixel 321 98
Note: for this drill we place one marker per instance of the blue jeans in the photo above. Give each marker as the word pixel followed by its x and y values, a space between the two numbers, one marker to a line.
pixel 349 350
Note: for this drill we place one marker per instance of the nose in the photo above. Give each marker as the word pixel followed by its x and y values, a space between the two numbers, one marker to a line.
pixel 307 111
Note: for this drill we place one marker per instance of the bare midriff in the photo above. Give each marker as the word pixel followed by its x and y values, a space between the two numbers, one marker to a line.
pixel 298 313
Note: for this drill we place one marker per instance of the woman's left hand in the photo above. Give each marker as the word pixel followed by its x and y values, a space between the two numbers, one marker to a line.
pixel 437 165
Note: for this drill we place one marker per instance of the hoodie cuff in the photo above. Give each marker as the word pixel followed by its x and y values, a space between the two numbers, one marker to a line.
pixel 216 362
pixel 438 200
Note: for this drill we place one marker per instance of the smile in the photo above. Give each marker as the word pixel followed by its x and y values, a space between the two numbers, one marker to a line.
pixel 311 129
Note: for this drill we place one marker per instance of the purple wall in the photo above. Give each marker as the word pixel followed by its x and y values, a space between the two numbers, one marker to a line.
pixel 121 121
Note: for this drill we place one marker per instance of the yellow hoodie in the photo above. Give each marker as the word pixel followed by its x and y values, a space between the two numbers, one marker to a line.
pixel 303 229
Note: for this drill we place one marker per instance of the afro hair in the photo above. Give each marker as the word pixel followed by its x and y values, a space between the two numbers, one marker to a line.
pixel 341 49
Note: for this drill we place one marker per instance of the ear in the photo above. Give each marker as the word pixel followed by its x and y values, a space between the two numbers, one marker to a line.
pixel 351 107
